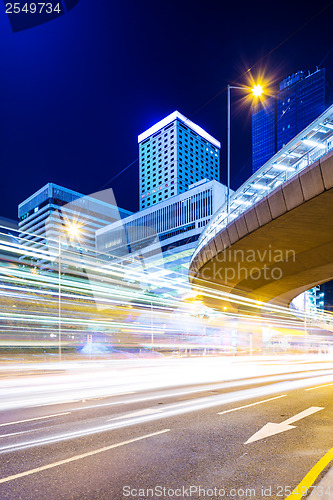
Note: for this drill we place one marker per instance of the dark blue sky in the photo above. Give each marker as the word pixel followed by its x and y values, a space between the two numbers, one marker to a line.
pixel 76 92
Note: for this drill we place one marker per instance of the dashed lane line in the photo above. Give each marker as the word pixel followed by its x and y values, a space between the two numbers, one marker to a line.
pixel 36 418
pixel 252 404
pixel 79 457
pixel 317 387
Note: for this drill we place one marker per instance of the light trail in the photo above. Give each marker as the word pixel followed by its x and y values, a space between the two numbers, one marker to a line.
pixel 114 379
pixel 104 297
pixel 167 411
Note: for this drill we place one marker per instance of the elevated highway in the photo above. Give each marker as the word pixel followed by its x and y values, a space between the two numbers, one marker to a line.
pixel 279 243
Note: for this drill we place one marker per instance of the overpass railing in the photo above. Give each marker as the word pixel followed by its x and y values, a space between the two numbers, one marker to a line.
pixel 312 143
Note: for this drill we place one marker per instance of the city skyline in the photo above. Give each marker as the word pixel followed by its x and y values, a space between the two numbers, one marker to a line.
pixel 73 109
pixel 301 98
pixel 164 309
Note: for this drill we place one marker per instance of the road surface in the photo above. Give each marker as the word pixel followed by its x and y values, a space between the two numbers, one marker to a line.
pixel 208 440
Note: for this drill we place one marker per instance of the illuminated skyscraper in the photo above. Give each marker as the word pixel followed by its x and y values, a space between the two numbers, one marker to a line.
pixel 165 235
pixel 175 153
pixel 43 215
pixel 299 101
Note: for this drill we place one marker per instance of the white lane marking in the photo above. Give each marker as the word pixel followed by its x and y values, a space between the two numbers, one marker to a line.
pixel 79 457
pixel 318 387
pixel 139 413
pixel 36 418
pixel 57 403
pixel 172 410
pixel 239 382
pixel 252 404
pixel 111 395
pixel 80 400
pixel 16 433
pixel 171 395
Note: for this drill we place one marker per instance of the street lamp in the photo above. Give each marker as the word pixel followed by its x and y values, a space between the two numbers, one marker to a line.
pixel 152 326
pixel 73 230
pixel 257 91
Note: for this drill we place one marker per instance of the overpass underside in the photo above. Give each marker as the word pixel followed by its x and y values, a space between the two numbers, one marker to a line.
pixel 280 247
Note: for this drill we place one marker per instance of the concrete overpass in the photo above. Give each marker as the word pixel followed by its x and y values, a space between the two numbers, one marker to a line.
pixel 282 244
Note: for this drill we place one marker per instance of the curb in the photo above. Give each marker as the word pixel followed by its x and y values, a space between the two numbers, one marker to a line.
pixel 324 490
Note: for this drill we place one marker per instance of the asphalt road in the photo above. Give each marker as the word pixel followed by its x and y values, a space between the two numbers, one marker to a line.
pixel 168 442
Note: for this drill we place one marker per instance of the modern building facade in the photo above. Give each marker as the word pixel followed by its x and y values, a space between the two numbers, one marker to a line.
pixel 44 215
pixel 276 121
pixel 167 233
pixel 8 240
pixel 175 153
pixel 8 226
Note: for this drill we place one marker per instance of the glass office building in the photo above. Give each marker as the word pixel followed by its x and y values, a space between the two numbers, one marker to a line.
pixel 276 121
pixel 8 240
pixel 44 214
pixel 175 153
pixel 163 236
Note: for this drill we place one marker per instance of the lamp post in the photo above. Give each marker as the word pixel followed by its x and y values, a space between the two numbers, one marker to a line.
pixel 73 230
pixel 257 90
pixel 59 297
pixel 306 322
pixel 152 325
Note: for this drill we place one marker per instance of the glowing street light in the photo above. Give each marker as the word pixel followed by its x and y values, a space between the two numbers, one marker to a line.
pixel 73 230
pixel 257 91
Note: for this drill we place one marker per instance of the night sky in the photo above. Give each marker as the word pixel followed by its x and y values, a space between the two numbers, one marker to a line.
pixel 77 91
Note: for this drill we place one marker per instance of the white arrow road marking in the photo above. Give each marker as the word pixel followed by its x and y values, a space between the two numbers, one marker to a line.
pixel 270 429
